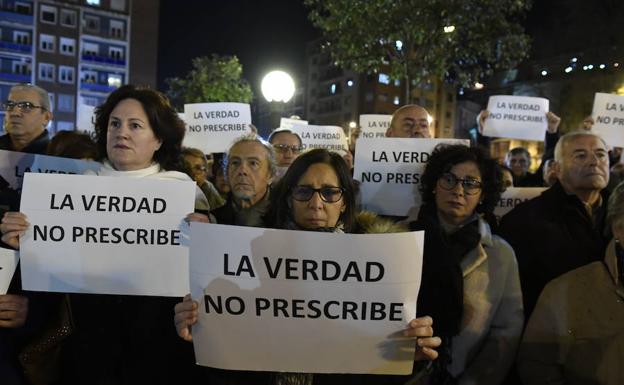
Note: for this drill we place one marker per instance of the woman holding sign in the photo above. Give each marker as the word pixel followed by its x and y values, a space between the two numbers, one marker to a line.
pixel 110 339
pixel 316 194
pixel 470 280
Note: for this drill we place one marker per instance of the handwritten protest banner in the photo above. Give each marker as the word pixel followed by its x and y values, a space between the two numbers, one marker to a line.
pixel 518 117
pixel 288 123
pixel 13 165
pixel 105 235
pixel 513 196
pixel 608 114
pixel 331 138
pixel 374 126
pixel 351 295
pixel 212 127
pixel 389 170
pixel 8 264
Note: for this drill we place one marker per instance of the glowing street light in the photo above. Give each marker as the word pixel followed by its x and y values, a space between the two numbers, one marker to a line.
pixel 449 28
pixel 277 86
pixel 478 86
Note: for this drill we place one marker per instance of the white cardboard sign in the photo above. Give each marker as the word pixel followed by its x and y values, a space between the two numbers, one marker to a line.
pixel 297 301
pixel 389 170
pixel 331 138
pixel 13 165
pixel 513 196
pixel 608 114
pixel 106 235
pixel 85 118
pixel 374 126
pixel 518 117
pixel 288 123
pixel 212 127
pixel 8 264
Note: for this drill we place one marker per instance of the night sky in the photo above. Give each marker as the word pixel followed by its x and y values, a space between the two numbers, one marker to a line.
pixel 264 35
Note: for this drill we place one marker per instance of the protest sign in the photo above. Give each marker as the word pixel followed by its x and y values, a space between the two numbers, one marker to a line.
pixel 8 264
pixel 13 165
pixel 258 289
pixel 517 117
pixel 513 196
pixel 331 138
pixel 389 170
pixel 212 127
pixel 288 123
pixel 374 126
pixel 608 114
pixel 105 235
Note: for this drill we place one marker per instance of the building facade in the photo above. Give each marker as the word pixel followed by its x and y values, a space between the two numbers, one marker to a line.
pixel 338 97
pixel 78 50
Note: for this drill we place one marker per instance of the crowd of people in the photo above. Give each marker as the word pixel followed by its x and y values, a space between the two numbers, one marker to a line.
pixel 532 299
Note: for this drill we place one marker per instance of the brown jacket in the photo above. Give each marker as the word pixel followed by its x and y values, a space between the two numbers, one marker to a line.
pixel 576 333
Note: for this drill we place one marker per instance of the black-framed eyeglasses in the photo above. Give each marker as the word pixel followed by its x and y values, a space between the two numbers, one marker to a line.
pixel 23 106
pixel 327 194
pixel 471 186
pixel 284 148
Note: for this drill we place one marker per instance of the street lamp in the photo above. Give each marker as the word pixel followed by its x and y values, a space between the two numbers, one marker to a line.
pixel 277 88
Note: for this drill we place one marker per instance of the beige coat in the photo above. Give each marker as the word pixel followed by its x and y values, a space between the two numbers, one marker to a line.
pixel 576 333
pixel 486 346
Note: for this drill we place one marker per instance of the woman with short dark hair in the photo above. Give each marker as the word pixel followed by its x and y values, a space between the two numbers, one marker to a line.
pixel 470 283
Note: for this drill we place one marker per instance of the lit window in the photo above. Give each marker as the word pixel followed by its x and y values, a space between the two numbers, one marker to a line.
pixel 114 80
pixel 396 101
pixel 46 43
pixel 384 79
pixel 95 3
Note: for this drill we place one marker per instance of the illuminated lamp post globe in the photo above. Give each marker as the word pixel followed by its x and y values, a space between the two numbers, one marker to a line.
pixel 277 88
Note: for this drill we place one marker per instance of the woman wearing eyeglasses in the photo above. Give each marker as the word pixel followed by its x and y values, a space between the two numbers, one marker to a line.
pixel 317 194
pixel 470 282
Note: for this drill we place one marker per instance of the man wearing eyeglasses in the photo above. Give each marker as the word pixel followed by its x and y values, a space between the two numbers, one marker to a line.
pixel 564 227
pixel 287 146
pixel 27 113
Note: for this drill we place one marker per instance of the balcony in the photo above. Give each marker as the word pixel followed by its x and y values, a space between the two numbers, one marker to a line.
pixel 13 77
pixel 105 60
pixel 12 16
pixel 97 87
pixel 15 47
